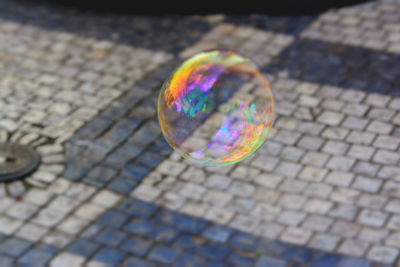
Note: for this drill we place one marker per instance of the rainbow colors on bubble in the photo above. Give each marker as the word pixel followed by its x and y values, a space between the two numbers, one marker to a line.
pixel 216 108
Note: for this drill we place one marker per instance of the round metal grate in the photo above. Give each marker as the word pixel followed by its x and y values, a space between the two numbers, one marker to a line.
pixel 17 161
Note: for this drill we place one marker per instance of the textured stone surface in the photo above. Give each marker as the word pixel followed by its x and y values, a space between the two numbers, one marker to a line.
pixel 82 88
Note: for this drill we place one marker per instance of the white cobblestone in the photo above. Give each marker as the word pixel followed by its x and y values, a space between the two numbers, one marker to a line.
pixel 325 242
pixel 372 218
pixel 313 174
pixel 339 178
pixel 353 247
pixel 383 254
pixel 296 235
pixel 367 184
pixel 106 198
pixel 317 223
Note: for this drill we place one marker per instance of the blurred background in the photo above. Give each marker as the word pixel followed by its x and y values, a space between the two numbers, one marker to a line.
pixel 87 179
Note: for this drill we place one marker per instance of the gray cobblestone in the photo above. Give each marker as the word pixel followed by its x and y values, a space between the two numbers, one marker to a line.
pixel 335 133
pixel 293 186
pixel 287 137
pixel 196 175
pixel 335 147
pixel 394 223
pixel 195 209
pixel 355 109
pixel 217 197
pixel 21 210
pixel 318 190
pixel 241 189
pixel 373 235
pixel 316 159
pixel 48 217
pixel 330 118
pixel 288 169
pixel 296 235
pixel 243 173
pixel 291 218
pixel 241 205
pixel 340 163
pixel 313 174
pixel 218 181
pixel 379 127
pixel 362 138
pixel 266 195
pixel 339 178
pixel 331 104
pixel 79 191
pixel 367 184
pixel 372 201
pixel 268 180
pixel 354 123
pixel 389 172
pixel 292 201
pixel 393 206
pixel 266 163
pixel 344 195
pixel 265 211
pixel 310 128
pixel 361 152
pixel 344 211
pixel 67 259
pixel 317 223
pixel 106 198
pixel 318 206
pixel 387 142
pixel 366 168
pixel 72 225
pixel 345 228
pixel 5 203
pixel 244 223
pixel 386 157
pixel 64 204
pixel 192 191
pixel 292 153
pixel 310 143
pixel 8 225
pixel 377 100
pixel 219 215
pixel 89 211
pixel 353 247
pixel 31 232
pixel 393 240
pixel 372 218
pixel 171 168
pixel 380 114
pixel 324 241
pixel 383 254
pixel 269 230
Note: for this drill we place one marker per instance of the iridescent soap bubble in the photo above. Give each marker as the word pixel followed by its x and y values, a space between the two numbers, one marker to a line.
pixel 216 108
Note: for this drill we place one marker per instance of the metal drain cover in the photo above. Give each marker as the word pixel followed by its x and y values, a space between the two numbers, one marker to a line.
pixel 17 161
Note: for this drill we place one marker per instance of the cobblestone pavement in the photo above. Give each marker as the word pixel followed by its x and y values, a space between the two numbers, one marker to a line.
pixel 81 87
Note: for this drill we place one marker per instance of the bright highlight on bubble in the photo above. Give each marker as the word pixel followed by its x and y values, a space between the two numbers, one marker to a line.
pixel 216 108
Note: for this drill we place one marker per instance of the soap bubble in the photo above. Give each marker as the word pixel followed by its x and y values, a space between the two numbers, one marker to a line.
pixel 216 108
